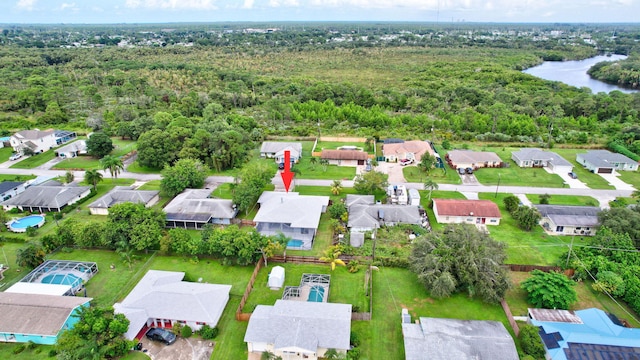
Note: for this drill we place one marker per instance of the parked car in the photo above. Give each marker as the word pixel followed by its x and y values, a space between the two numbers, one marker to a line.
pixel 15 156
pixel 469 170
pixel 163 335
pixel 461 171
pixel 405 162
pixel 573 175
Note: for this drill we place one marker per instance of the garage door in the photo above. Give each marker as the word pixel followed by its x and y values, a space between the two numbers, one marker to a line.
pixel 605 170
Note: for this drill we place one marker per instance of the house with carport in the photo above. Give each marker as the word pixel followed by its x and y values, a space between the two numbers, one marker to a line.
pixel 585 334
pixel 275 150
pixel 299 329
pixel 457 211
pixel 294 215
pixel 569 220
pixel 122 194
pixel 473 159
pixel 410 150
pixel 534 157
pixel 194 208
pixel 47 197
pixel 72 150
pixel 37 141
pixel 345 157
pixel 163 298
pixel 37 318
pixel 606 162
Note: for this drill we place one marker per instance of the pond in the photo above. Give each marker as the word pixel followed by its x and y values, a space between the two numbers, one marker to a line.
pixel 574 73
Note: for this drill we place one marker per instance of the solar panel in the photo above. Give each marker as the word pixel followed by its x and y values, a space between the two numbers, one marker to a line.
pixel 578 351
pixel 549 341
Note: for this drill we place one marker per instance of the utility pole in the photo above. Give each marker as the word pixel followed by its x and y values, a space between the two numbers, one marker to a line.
pixel 569 254
pixel 497 186
pixel 549 139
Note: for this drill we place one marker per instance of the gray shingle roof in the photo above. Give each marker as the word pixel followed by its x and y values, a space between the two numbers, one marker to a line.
pixel 36 314
pixel 195 205
pixel 9 185
pixel 570 215
pixel 272 147
pixel 605 158
pixel 359 200
pixel 300 211
pixel 470 156
pixel 33 134
pixel 447 339
pixel 369 216
pixel 47 196
pixel 539 154
pixel 301 324
pixel 121 194
pixel 79 146
pixel 163 295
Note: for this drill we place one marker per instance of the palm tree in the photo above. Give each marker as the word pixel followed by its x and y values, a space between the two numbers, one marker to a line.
pixel 113 164
pixel 331 255
pixel 336 187
pixel 313 160
pixel 93 177
pixel 430 185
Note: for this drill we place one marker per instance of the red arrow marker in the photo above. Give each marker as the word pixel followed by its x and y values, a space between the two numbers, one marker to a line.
pixel 287 175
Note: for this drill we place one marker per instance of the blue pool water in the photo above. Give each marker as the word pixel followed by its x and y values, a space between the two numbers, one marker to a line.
pixel 27 221
pixel 62 279
pixel 316 294
pixel 295 243
pixel 5 138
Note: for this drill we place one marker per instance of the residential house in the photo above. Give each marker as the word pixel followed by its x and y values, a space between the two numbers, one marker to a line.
pixel 296 216
pixel 162 299
pixel 345 157
pixel 37 141
pixel 410 150
pixel 534 157
pixel 63 136
pixel 9 189
pixel 121 194
pixel 454 211
pixel 37 318
pixel 72 150
pixel 275 150
pixel 193 209
pixel 585 334
pixel 367 215
pixel 473 159
pixel 299 329
pixel 50 196
pixel 569 220
pixel 606 162
pixel 448 339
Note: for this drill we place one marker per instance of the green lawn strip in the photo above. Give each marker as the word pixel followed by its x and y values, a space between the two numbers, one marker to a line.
pixel 395 289
pixel 8 257
pixel 334 145
pixel 38 352
pixel 345 287
pixel 593 181
pixel 321 242
pixel 121 147
pixel 135 355
pixel 10 177
pixel 565 200
pixel 223 191
pixel 307 170
pixel 5 153
pixel 135 167
pixel 151 185
pixel 35 160
pixel 440 176
pixel 229 344
pixel 630 177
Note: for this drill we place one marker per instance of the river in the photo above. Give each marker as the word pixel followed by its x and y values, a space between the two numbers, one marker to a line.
pixel 575 73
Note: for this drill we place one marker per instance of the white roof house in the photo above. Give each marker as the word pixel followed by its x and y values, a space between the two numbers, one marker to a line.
pixel 569 220
pixel 47 197
pixel 36 140
pixel 121 194
pixel 72 150
pixel 307 329
pixel 193 208
pixel 534 157
pixel 162 296
pixel 606 162
pixel 447 339
pixel 272 149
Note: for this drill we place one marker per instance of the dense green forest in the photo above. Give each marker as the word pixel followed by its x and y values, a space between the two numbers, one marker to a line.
pixel 208 97
pixel 625 72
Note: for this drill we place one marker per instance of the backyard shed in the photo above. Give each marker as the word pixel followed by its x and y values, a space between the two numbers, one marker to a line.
pixel 276 278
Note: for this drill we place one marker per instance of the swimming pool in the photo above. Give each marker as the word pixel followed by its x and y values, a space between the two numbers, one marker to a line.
pixel 316 294
pixel 21 225
pixel 295 243
pixel 62 279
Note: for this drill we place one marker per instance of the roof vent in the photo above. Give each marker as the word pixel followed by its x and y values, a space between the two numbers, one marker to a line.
pixel 471 213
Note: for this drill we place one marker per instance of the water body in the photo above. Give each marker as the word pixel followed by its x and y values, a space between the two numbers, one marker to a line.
pixel 574 73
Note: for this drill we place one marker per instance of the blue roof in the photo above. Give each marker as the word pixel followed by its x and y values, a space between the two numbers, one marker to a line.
pixel 596 328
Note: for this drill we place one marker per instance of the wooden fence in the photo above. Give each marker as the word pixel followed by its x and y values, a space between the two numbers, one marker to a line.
pixel 313 260
pixel 240 316
pixel 529 268
pixel 512 321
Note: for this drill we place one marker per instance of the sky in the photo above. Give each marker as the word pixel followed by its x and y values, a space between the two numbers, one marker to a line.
pixel 161 11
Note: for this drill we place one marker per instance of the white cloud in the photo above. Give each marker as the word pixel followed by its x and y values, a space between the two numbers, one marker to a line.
pixel 27 5
pixel 288 3
pixel 248 4
pixel 71 6
pixel 172 4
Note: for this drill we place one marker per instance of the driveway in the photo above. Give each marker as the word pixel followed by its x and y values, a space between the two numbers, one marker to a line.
pixel 573 183
pixel 469 179
pixel 182 349
pixel 394 170
pixel 617 183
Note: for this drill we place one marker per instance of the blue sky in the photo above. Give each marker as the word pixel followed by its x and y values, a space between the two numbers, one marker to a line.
pixel 145 11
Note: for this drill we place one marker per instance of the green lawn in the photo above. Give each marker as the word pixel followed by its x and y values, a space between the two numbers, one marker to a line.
pixel 121 147
pixel 334 145
pixel 593 181
pixel 135 167
pixel 5 152
pixel 631 178
pixel 135 355
pixel 441 176
pixel 324 172
pixel 35 160
pixel 37 352
pixel 151 185
pixel 516 176
pixel 15 272
pixel 565 200
pixel 7 177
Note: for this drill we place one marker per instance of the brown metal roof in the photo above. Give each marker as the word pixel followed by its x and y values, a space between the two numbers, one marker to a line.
pixel 344 155
pixel 564 316
pixel 36 314
pixel 481 208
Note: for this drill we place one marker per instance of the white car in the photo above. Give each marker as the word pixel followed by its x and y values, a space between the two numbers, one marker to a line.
pixel 15 156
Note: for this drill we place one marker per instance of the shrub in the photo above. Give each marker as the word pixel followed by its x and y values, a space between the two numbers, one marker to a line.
pixel 354 266
pixel 18 349
pixel 31 345
pixel 186 332
pixel 530 341
pixel 353 354
pixel 53 353
pixel 32 231
pixel 354 340
pixel 177 328
pixel 207 332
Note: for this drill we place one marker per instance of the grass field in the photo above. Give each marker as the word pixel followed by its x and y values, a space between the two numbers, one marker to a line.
pixel 7 177
pixel 631 178
pixel 307 170
pixel 565 200
pixel 35 160
pixel 121 147
pixel 5 152
pixel 441 176
pixel 37 352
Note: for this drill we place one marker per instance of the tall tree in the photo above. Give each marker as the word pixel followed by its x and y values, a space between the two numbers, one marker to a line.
pixel 113 164
pixel 254 177
pixel 527 217
pixel 460 258
pixel 99 144
pixel 31 255
pixel 427 162
pixel 371 182
pixel 430 185
pixel 185 173
pixel 332 256
pixel 93 177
